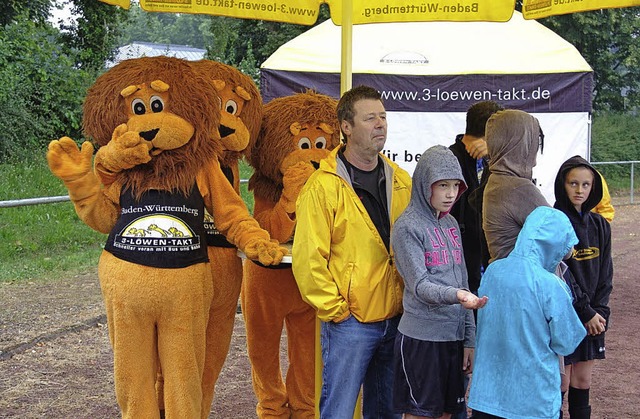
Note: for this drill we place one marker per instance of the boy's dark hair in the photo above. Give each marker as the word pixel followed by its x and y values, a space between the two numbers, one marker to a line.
pixel 477 116
pixel 345 104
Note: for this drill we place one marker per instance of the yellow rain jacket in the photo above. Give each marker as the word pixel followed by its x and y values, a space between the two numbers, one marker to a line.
pixel 340 262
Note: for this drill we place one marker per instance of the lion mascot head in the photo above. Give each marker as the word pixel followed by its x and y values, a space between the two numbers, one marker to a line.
pixel 301 128
pixel 172 107
pixel 240 107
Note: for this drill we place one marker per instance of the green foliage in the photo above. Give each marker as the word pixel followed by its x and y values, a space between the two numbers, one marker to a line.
pixel 41 91
pixel 94 35
pixel 39 240
pixel 615 137
pixel 35 10
pixel 608 40
pixel 237 39
pixel 167 28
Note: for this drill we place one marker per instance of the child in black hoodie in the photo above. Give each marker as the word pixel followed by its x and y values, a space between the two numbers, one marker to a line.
pixel 578 189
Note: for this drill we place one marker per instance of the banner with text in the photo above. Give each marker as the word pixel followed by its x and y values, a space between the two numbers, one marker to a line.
pixel 556 92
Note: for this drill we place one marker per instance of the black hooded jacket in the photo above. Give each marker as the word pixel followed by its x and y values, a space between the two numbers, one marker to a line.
pixel 591 266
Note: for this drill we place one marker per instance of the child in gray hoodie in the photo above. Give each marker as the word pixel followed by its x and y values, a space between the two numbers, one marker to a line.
pixel 434 346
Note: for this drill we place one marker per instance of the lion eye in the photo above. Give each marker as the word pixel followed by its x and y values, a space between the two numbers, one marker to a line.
pixel 231 107
pixel 157 104
pixel 304 143
pixel 321 142
pixel 138 107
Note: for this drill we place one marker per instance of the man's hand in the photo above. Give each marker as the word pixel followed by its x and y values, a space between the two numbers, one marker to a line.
pixel 470 300
pixel 66 161
pixel 477 148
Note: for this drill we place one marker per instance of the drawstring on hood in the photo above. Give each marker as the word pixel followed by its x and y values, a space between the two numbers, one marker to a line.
pixel 436 163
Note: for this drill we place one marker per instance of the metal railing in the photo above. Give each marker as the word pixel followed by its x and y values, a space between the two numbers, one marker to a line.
pixel 62 198
pixel 49 199
pixel 631 174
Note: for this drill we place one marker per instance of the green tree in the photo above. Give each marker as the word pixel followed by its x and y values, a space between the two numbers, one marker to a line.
pixel 235 39
pixel 93 37
pixel 41 90
pixel 166 28
pixel 609 40
pixel 36 10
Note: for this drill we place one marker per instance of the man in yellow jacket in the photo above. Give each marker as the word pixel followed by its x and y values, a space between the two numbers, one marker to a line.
pixel 343 263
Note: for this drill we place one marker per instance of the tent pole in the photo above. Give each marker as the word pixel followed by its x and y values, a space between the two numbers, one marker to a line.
pixel 347 46
pixel 345 84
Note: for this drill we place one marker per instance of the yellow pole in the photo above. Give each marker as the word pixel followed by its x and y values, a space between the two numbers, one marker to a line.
pixel 345 84
pixel 347 46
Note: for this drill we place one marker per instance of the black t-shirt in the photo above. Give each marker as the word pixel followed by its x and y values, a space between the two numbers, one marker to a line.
pixel 214 237
pixel 371 189
pixel 163 229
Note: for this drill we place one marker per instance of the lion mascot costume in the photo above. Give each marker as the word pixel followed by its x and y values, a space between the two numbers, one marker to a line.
pixel 297 132
pixel 240 118
pixel 157 123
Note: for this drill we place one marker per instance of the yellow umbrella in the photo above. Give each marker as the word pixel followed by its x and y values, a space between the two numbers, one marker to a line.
pixel 537 9
pixel 352 12
pixel 343 12
pixel 305 12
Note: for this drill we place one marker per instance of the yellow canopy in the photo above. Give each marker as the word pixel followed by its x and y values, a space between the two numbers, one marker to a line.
pixel 305 12
pixel 537 9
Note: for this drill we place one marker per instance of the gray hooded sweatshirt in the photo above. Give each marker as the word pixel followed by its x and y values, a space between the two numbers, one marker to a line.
pixel 510 195
pixel 429 257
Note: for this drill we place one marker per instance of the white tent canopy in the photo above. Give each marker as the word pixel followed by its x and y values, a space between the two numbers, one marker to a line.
pixel 429 73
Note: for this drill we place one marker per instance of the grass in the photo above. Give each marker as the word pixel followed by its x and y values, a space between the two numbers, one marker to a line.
pixel 49 240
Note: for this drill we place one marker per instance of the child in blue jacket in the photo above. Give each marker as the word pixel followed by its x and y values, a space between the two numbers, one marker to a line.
pixel 529 323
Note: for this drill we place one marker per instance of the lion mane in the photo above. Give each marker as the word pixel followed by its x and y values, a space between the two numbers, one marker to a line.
pixel 191 98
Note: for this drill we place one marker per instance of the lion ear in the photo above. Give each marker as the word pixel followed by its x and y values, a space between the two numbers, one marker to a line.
pixel 295 128
pixel 326 128
pixel 219 84
pixel 159 86
pixel 243 93
pixel 128 91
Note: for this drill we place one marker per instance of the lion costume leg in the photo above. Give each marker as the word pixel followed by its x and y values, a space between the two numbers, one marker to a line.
pixel 156 314
pixel 226 268
pixel 264 308
pixel 269 298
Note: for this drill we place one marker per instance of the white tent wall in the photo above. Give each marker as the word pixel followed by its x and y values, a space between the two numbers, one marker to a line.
pixel 411 133
pixel 429 73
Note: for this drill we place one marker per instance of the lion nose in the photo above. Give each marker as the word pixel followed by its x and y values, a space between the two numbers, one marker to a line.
pixel 149 135
pixel 315 164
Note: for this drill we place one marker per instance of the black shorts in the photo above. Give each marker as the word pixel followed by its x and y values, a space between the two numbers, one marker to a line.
pixel 591 347
pixel 429 380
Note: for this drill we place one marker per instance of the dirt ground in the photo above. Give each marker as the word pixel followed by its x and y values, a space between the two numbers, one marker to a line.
pixel 56 361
